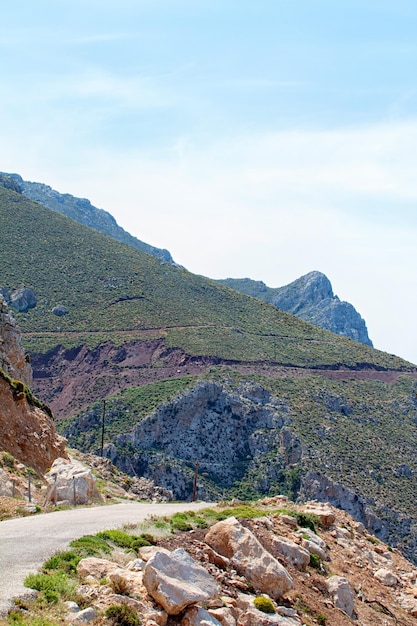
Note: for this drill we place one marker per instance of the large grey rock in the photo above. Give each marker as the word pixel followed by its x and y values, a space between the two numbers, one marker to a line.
pixel 249 558
pixel 23 299
pixel 71 480
pixel 342 593
pixel 293 554
pixel 176 580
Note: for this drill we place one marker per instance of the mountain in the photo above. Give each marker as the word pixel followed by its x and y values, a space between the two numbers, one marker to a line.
pixel 81 210
pixel 193 371
pixel 310 298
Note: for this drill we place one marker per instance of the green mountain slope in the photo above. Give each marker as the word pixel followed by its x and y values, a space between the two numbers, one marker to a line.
pixel 79 209
pixel 108 289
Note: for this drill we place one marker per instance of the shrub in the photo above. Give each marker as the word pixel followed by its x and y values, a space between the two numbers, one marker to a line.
pixel 308 520
pixel 264 604
pixel 315 561
pixel 52 586
pixel 122 615
pixel 90 545
pixel 63 561
pixel 7 460
pixel 179 521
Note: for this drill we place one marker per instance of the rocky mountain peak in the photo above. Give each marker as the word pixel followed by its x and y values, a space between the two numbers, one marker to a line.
pixel 308 290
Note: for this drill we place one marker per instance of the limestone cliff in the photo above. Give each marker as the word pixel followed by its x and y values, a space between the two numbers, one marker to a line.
pixel 312 299
pixel 26 429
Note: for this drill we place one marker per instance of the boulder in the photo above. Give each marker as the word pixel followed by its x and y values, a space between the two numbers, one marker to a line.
pixel 176 580
pixel 224 615
pixel 71 480
pixel 126 581
pixel 196 616
pixel 95 567
pixel 342 593
pixel 387 577
pixel 249 558
pixel 293 554
pixel 87 615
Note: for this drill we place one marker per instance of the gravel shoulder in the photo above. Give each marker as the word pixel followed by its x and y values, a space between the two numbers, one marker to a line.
pixel 25 543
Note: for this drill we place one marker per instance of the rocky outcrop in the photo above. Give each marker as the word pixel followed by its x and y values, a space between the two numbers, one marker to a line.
pixel 312 299
pixel 250 559
pixel 80 210
pixel 13 360
pixel 320 487
pixel 220 429
pixel 26 430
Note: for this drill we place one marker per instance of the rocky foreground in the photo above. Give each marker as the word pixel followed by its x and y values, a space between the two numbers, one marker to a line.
pixel 337 575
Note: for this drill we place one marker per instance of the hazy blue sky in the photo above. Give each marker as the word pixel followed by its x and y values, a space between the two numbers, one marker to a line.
pixel 262 139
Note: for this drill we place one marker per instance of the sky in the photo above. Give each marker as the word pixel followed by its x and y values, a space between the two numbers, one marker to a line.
pixel 251 139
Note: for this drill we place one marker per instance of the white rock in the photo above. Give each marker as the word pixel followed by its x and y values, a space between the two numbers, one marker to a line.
pixel 293 553
pixel 146 552
pixel 136 565
pixel 387 577
pixel 87 615
pixel 313 548
pixel 72 607
pixel 95 567
pixel 249 558
pixel 196 616
pixel 224 615
pixel 66 478
pixel 342 593
pixel 175 580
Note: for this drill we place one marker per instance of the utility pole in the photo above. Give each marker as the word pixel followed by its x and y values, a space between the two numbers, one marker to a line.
pixel 102 427
pixel 195 483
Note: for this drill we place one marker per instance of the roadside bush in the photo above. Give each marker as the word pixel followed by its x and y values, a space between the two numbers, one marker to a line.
pixel 52 586
pixel 62 561
pixel 122 615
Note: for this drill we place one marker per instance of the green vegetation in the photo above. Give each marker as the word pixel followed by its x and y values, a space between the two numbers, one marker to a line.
pixel 124 540
pixel 123 411
pixel 53 585
pixel 64 561
pixel 122 615
pixel 21 391
pixel 7 460
pixel 90 545
pixel 264 604
pixel 109 288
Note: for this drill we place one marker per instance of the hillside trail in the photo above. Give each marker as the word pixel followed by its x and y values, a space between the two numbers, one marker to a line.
pixel 25 543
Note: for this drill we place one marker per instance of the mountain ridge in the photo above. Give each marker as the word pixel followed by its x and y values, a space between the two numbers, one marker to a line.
pixel 310 298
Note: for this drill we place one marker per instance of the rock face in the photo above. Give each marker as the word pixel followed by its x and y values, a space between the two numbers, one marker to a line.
pixel 12 356
pixel 249 558
pixel 80 210
pixel 26 431
pixel 219 428
pixel 312 299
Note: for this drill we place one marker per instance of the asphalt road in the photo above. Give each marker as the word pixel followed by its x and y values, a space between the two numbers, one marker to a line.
pixel 25 543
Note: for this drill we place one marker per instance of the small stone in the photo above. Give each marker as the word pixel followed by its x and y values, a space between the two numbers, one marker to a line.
pixel 87 615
